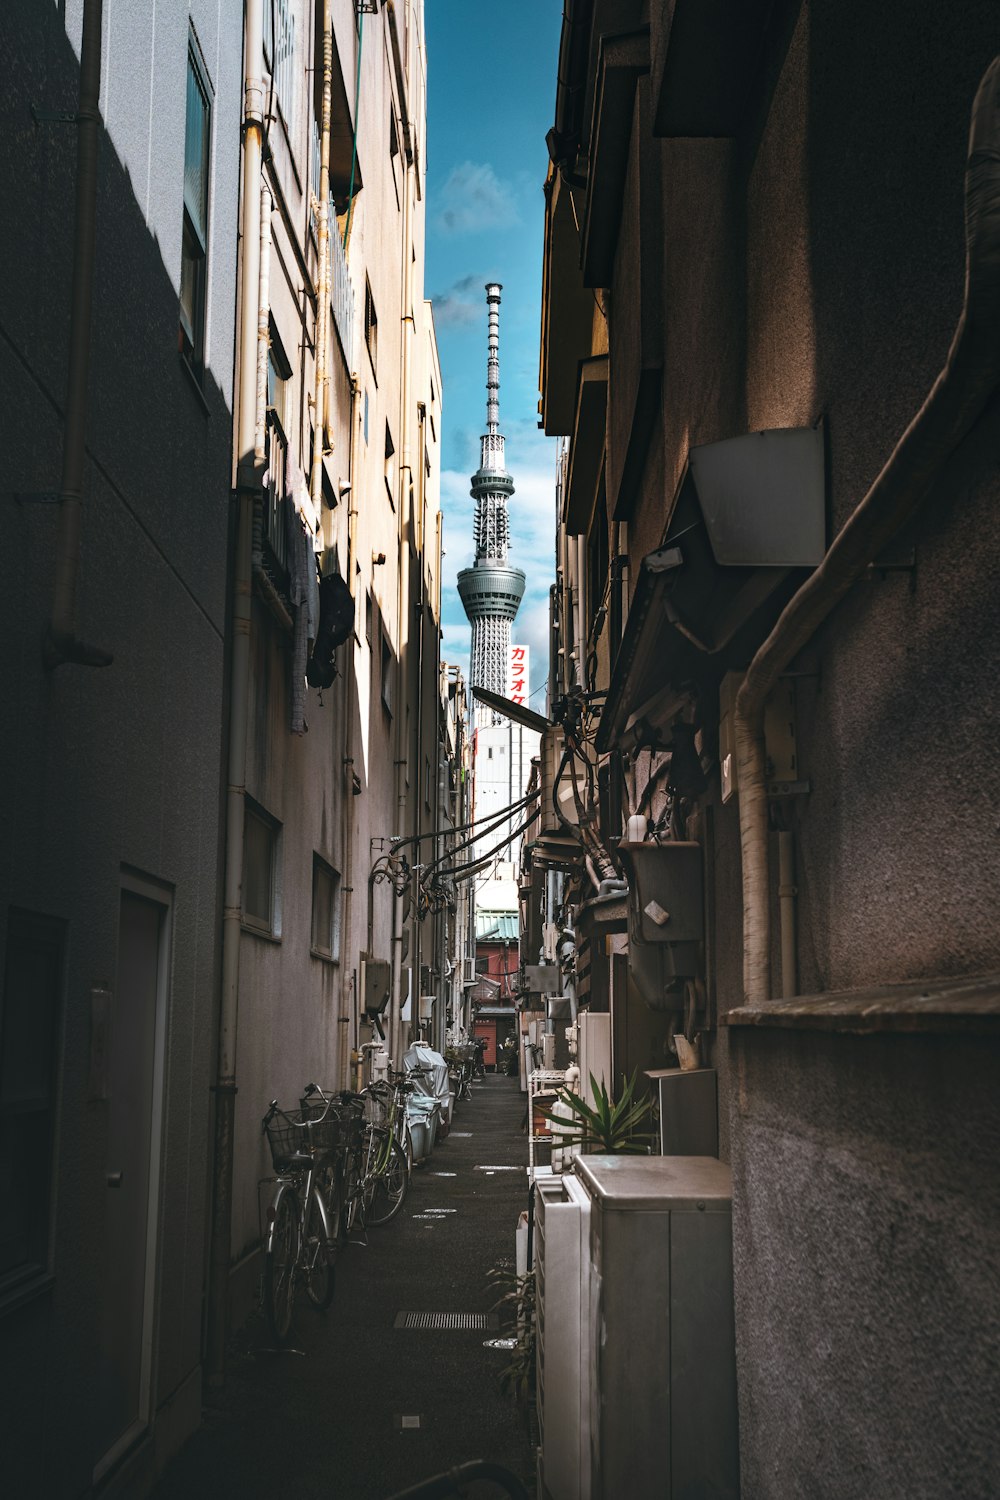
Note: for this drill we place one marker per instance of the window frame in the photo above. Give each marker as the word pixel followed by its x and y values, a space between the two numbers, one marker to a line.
pixel 193 341
pixel 371 327
pixel 323 868
pixel 251 921
pixel 386 684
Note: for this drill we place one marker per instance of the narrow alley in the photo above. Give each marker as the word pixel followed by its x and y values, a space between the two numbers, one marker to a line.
pixel 336 1414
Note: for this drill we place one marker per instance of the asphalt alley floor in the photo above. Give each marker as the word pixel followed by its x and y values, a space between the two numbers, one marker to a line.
pixel 356 1408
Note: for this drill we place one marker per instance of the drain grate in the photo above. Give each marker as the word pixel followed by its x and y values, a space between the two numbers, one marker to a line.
pixel 445 1320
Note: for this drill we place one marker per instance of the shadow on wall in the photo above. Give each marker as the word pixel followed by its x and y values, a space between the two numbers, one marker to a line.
pixel 118 765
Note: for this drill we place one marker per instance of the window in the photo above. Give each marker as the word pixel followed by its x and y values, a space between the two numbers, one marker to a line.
pixel 28 1026
pixel 393 136
pixel 369 611
pixel 325 910
pixel 365 422
pixel 194 238
pixel 427 782
pixel 279 49
pixel 371 325
pixel 390 467
pixel 279 374
pixel 261 883
pixel 386 674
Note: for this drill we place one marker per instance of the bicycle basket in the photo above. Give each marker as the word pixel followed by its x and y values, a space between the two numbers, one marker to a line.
pixel 291 1133
pixel 324 1126
pixel 286 1138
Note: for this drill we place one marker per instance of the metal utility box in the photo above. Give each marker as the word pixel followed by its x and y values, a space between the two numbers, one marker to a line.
pixel 763 498
pixel 663 1417
pixel 666 898
pixel 375 982
pixel 543 979
pixel 689 1111
pixel 562 1350
pixel 593 1030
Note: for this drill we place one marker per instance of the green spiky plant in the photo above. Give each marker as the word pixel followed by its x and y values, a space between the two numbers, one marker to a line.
pixel 609 1126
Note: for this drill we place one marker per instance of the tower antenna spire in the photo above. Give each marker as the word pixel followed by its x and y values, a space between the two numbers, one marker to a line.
pixel 491 590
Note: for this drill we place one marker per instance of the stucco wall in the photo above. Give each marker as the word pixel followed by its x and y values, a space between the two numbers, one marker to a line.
pixel 868 1298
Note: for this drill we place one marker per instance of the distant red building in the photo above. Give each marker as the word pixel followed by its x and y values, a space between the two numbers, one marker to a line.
pixel 494 1017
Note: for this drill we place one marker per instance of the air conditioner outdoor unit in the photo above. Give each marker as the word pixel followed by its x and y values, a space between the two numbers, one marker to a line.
pixel 562 1263
pixel 662 1371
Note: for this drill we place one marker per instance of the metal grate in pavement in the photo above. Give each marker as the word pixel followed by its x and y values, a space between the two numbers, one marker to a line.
pixel 454 1321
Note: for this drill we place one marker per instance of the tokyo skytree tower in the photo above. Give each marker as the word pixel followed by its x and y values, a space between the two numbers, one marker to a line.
pixel 491 590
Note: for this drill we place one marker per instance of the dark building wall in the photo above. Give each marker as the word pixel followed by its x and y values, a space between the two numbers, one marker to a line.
pixel 115 771
pixel 813 271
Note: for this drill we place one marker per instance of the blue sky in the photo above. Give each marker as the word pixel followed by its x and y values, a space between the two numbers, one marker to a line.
pixel 490 100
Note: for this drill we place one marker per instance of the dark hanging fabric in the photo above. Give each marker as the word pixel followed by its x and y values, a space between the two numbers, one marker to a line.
pixel 336 621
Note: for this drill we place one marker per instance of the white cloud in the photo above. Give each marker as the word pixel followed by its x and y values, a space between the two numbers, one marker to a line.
pixel 473 198
pixel 462 304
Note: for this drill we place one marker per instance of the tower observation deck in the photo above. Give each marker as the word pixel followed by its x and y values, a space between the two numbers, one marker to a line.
pixel 491 590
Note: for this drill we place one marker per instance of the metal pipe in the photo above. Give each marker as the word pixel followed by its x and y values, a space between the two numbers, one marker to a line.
pixel 787 893
pixel 968 381
pixel 247 489
pixel 405 518
pixel 60 644
pixel 323 259
pixel 263 325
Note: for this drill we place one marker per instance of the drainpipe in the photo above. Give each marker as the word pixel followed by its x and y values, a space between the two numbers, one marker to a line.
pixel 405 513
pixel 786 913
pixel 323 258
pixel 247 490
pixel 263 328
pixel 349 977
pixel 61 644
pixel 968 381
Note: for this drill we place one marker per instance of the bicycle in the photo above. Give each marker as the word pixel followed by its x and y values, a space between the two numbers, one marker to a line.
pixel 300 1247
pixel 389 1101
pixel 374 1176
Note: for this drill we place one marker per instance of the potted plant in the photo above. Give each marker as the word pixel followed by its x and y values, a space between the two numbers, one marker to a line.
pixel 606 1125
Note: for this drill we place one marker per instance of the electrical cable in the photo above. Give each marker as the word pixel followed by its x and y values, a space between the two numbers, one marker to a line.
pixel 462 872
pixel 445 833
pixel 498 821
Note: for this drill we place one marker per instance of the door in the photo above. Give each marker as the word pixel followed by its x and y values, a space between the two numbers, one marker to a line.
pixel 130 1187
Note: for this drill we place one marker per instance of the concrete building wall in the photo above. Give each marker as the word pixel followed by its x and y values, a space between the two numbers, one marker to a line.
pixel 812 272
pixel 365 770
pixel 113 774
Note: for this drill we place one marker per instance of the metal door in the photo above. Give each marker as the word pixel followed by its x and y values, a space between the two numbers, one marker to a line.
pixel 131 1172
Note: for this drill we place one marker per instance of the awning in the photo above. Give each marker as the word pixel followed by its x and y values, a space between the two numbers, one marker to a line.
pixel 620 62
pixel 586 454
pixel 497 927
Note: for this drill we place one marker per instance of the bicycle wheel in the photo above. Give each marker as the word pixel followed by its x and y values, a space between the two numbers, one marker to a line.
pixel 350 1202
pixel 389 1188
pixel 320 1277
pixel 280 1265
